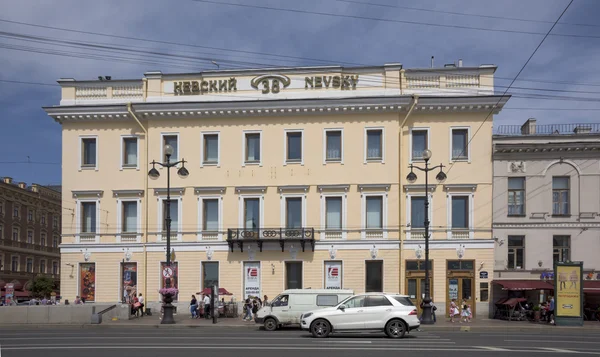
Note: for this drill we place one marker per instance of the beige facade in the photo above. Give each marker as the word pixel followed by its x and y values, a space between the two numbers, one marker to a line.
pixel 303 165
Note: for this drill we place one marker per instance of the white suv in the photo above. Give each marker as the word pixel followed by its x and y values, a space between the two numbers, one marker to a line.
pixel 394 314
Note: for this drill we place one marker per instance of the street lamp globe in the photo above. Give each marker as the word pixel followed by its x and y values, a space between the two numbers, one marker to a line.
pixel 411 177
pixel 183 172
pixel 441 176
pixel 168 150
pixel 427 154
pixel 153 173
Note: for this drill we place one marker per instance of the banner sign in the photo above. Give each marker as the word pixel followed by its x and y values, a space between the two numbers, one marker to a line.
pixel 333 275
pixel 173 281
pixel 251 279
pixel 87 282
pixel 129 281
pixel 568 289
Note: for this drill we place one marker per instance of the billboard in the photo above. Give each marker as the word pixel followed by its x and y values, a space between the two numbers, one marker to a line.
pixel 333 275
pixel 87 281
pixel 129 281
pixel 251 279
pixel 568 289
pixel 173 281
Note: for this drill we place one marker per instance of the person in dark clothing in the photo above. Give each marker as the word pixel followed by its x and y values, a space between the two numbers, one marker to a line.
pixel 194 307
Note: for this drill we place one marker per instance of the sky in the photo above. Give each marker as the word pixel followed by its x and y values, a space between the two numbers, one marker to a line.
pixel 189 34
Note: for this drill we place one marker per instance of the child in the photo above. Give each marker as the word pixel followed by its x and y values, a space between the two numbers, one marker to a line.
pixel 453 310
pixel 465 313
pixel 470 313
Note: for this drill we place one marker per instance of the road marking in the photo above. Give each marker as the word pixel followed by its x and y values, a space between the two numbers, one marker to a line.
pixel 538 335
pixel 489 348
pixel 352 341
pixel 302 337
pixel 560 350
pixel 554 341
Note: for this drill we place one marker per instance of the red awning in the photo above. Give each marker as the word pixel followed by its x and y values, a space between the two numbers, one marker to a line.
pixel 18 293
pixel 591 286
pixel 524 284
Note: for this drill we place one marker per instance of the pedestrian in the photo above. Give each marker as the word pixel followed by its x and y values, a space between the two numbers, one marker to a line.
pixel 551 311
pixel 206 306
pixel 77 300
pixel 266 301
pixel 464 315
pixel 141 302
pixel 453 310
pixel 194 307
pixel 254 307
pixel 247 310
pixel 470 313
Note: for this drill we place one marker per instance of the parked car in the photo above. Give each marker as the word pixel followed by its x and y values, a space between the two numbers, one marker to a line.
pixel 391 313
pixel 287 307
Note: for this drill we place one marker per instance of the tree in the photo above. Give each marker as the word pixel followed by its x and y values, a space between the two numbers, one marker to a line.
pixel 42 286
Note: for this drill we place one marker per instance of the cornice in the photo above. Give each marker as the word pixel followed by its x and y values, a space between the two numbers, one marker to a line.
pixel 547 147
pixel 577 225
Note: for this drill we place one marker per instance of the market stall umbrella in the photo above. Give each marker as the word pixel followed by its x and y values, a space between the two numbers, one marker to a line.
pixel 222 291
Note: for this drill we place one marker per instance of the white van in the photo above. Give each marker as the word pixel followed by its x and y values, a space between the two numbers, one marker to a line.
pixel 287 308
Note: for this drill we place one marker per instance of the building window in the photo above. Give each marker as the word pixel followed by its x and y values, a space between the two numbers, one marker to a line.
pixel 516 252
pixel 333 213
pixel 130 152
pixel 30 237
pixel 293 209
pixel 174 213
pixel 29 215
pixel 252 148
pixel 1 208
pixel 460 212
pixel 43 219
pixel 173 141
pixel 561 251
pixel 15 235
pixel 251 213
pixel 1 231
pixel 88 217
pixel 375 144
pixel 516 196
pixel 42 267
pixel 460 144
pixel 560 196
pixel 417 212
pixel 55 242
pixel 129 216
pixel 374 276
pixel 16 212
pixel 420 143
pixel 210 215
pixel 55 221
pixel 210 147
pixel 14 264
pixel 29 265
pixel 210 274
pixel 88 153
pixel 333 145
pixel 484 292
pixel 374 212
pixel 43 239
pixel 293 275
pixel 294 146
pixel 55 268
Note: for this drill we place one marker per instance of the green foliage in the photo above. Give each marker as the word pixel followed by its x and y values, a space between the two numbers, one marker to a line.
pixel 536 308
pixel 42 286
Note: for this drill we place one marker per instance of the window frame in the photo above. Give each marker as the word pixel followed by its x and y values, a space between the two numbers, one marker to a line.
pixel 162 146
pixel 201 228
pixel 30 234
pixel 366 158
pixel 120 217
pixel 161 222
pixel 409 196
pixel 17 210
pixel 514 191
pixel 80 217
pixel 259 162
pixel 27 260
pixel 568 190
pixel 562 248
pixel 242 211
pixel 123 153
pixel 384 213
pixel 203 150
pixel 285 279
pixel 484 286
pixel 43 239
pixel 410 147
pixel 18 231
pixel 513 256
pixel 471 214
pixel 344 198
pixel 56 265
pixel 286 160
pixel 57 239
pixel 333 161
pixel 81 152
pixel 30 216
pixel 42 265
pixel 380 261
pixel 283 198
pixel 467 158
pixel 202 270
pixel 12 259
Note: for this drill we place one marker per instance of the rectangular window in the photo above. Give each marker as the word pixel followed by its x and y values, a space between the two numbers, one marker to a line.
pixel 42 267
pixel 374 210
pixel 294 146
pixel 15 235
pixel 55 242
pixel 374 144
pixel 516 252
pixel 420 143
pixel 43 219
pixel 516 196
pixel 210 215
pixel 88 152
pixel 460 212
pixel 1 231
pixel 1 208
pixel 14 264
pixel 129 213
pixel 560 196
pixel 333 211
pixel 43 240
pixel 293 209
pixel 88 217
pixel 460 144
pixel 327 300
pixel 293 275
pixel 417 212
pixel 173 141
pixel 561 251
pixel 55 221
pixel 130 152
pixel 374 276
pixel 29 265
pixel 30 237
pixel 16 212
pixel 484 292
pixel 174 213
pixel 333 145
pixel 210 274
pixel 55 268
pixel 211 149
pixel 30 216
pixel 251 213
pixel 252 147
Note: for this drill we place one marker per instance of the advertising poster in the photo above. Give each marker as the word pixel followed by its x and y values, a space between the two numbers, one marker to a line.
pixel 10 292
pixel 333 275
pixel 453 289
pixel 129 281
pixel 173 280
pixel 251 279
pixel 87 282
pixel 568 290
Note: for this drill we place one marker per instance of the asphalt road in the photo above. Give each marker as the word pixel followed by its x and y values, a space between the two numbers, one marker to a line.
pixel 233 342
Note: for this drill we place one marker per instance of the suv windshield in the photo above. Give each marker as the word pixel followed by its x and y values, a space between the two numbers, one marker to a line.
pixel 404 300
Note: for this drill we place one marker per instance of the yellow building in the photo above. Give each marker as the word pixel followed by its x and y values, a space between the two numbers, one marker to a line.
pixel 296 179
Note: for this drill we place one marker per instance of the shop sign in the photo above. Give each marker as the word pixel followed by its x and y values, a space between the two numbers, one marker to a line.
pixel 87 282
pixel 202 86
pixel 568 289
pixel 173 279
pixel 129 281
pixel 333 275
pixel 483 275
pixel 453 289
pixel 336 82
pixel 251 279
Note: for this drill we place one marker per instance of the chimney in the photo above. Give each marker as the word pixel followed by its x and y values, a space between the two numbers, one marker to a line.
pixel 7 180
pixel 35 188
pixel 529 127
pixel 460 64
pixel 431 61
pixel 22 185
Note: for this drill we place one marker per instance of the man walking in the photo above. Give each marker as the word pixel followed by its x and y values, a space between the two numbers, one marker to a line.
pixel 206 306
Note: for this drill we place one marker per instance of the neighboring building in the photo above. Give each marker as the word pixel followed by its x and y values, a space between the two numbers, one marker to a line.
pixel 296 179
pixel 546 204
pixel 30 220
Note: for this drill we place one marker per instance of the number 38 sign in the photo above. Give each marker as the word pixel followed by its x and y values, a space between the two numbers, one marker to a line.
pixel 270 83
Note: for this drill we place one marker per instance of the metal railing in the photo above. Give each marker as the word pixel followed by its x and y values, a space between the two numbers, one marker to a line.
pixel 271 233
pixel 29 246
pixel 548 129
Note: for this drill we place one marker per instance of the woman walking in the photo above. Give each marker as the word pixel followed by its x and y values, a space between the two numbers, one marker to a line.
pixel 194 307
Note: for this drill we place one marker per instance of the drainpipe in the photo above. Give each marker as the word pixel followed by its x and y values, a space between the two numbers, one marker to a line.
pixel 413 104
pixel 146 199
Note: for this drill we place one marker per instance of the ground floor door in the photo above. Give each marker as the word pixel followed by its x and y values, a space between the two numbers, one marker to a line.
pixel 461 288
pixel 415 289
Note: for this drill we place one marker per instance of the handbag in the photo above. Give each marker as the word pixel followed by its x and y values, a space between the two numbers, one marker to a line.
pixel 137 305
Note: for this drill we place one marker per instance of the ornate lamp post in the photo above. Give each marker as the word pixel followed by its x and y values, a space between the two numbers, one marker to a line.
pixel 441 177
pixel 153 173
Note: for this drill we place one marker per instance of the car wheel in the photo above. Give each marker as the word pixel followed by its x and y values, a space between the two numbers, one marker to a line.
pixel 395 329
pixel 320 329
pixel 270 324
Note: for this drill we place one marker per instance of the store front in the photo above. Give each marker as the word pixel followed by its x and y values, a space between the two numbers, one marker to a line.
pixel 460 283
pixel 415 281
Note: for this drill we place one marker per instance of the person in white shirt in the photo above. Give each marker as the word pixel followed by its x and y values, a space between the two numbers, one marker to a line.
pixel 206 306
pixel 141 308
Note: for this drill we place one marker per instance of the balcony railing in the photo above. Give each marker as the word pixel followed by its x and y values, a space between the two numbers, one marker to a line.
pixel 262 235
pixel 333 235
pixel 28 246
pixel 87 238
pixel 460 234
pixel 210 235
pixel 549 129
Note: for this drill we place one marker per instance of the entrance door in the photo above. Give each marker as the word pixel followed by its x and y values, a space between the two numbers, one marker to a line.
pixel 415 289
pixel 461 289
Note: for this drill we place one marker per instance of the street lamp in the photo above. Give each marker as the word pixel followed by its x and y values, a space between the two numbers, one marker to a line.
pixel 440 177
